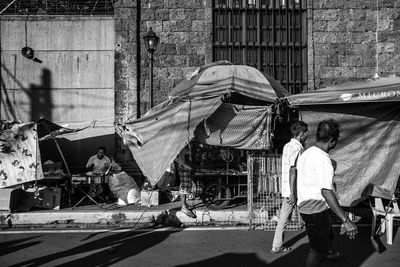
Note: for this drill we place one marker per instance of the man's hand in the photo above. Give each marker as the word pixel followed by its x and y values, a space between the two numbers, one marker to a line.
pixel 292 199
pixel 90 168
pixel 349 228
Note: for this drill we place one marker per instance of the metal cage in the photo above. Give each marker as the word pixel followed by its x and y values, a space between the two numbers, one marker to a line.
pixel 264 201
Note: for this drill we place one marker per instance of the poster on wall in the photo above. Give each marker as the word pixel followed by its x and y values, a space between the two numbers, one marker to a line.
pixel 19 155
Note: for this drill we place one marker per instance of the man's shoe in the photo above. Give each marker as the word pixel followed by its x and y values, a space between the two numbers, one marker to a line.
pixel 189 213
pixel 332 255
pixel 280 250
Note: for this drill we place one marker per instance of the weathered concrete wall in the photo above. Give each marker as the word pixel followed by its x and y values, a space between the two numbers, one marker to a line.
pixel 75 83
pixel 350 40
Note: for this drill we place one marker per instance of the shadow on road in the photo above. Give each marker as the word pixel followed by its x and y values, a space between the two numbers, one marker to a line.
pixel 353 252
pixel 295 239
pixel 15 245
pixel 231 260
pixel 105 251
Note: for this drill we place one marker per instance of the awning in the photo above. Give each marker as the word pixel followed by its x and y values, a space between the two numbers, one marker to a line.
pixel 380 90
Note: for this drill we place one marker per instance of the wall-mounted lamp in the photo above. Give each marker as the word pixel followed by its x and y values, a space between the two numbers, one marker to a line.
pixel 30 54
pixel 151 42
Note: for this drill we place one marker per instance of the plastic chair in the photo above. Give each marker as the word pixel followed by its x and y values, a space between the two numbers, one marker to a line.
pixel 389 213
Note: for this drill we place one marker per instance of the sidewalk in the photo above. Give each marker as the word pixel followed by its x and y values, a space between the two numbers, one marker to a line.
pixel 167 214
pixel 112 214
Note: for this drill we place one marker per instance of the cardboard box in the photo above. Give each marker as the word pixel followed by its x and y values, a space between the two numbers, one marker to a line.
pixel 48 198
pixel 10 198
pixel 149 198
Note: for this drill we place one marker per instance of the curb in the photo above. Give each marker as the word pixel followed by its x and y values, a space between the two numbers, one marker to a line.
pixel 165 217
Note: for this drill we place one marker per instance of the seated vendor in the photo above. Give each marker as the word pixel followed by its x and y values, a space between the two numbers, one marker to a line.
pixel 98 165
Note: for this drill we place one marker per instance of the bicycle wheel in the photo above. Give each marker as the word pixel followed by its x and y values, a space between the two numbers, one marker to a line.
pixel 216 196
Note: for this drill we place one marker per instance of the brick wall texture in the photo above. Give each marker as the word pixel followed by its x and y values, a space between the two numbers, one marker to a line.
pixel 184 28
pixel 352 40
pixel 347 40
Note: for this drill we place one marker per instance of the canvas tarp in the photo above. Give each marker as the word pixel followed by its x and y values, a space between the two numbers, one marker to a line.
pixel 19 155
pixel 156 140
pixel 220 78
pixel 158 137
pixel 367 155
pixel 237 126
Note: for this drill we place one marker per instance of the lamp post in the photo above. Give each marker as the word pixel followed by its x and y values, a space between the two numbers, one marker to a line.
pixel 151 42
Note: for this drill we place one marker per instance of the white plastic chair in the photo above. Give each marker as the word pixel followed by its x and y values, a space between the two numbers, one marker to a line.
pixel 389 213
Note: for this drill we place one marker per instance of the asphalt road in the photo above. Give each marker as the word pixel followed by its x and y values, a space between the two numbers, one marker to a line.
pixel 176 247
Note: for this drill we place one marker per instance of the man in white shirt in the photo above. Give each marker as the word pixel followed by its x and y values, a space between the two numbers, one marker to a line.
pixel 315 194
pixel 291 152
pixel 99 163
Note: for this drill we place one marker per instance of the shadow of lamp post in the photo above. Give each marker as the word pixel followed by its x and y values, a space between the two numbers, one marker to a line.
pixel 151 42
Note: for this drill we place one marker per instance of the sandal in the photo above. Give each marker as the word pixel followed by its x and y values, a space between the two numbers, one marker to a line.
pixel 280 250
pixel 189 213
pixel 332 255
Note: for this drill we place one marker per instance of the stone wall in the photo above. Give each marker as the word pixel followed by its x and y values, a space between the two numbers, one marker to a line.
pixel 184 28
pixel 126 15
pixel 352 40
pixel 126 71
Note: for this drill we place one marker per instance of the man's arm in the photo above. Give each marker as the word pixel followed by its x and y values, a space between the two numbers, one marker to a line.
pixel 293 185
pixel 330 198
pixel 293 178
pixel 89 164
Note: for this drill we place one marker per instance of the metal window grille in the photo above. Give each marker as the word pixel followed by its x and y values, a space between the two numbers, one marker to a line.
pixel 265 200
pixel 57 7
pixel 267 34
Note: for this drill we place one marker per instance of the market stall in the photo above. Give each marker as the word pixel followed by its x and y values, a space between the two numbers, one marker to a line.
pixel 34 182
pixel 221 104
pixel 367 154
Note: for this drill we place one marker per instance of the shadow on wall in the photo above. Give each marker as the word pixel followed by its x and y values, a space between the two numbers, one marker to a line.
pixel 40 98
pixel 7 110
pixel 41 103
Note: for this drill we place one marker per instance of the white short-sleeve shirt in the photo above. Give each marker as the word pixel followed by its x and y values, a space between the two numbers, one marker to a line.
pixel 100 165
pixel 314 172
pixel 290 153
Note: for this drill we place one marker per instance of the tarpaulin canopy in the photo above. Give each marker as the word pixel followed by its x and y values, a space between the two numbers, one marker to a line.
pixel 47 129
pixel 223 77
pixel 383 89
pixel 367 155
pixel 157 138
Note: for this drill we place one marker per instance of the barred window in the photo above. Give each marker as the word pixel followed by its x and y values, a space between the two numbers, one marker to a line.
pixel 57 7
pixel 270 35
